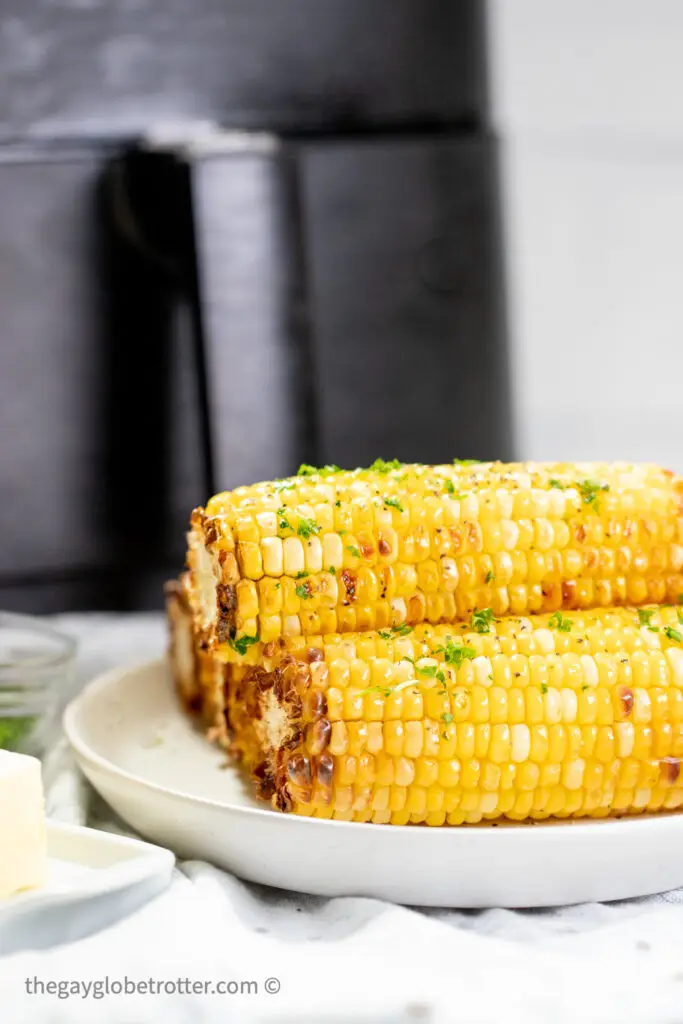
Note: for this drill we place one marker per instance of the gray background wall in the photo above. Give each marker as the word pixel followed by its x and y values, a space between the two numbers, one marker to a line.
pixel 588 98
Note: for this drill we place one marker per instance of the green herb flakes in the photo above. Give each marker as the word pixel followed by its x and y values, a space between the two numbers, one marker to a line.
pixel 307 527
pixel 380 466
pixel 455 654
pixel 242 645
pixel 306 470
pixel 481 621
pixel 590 490
pixel 560 622
pixel 402 630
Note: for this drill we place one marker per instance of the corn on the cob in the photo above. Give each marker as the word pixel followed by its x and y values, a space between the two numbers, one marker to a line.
pixel 199 677
pixel 523 718
pixel 338 552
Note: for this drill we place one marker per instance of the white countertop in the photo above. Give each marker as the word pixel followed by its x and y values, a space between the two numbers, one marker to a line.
pixel 343 959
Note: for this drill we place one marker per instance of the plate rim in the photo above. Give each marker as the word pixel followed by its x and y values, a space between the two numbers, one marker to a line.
pixel 550 828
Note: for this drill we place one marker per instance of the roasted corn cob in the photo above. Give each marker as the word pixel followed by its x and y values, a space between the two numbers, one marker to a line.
pixel 523 718
pixel 199 677
pixel 335 552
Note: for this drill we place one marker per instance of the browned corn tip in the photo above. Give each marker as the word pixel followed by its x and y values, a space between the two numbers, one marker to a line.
pixel 318 736
pixel 299 770
pixel 197 517
pixel 626 699
pixel 325 769
pixel 670 769
pixel 314 705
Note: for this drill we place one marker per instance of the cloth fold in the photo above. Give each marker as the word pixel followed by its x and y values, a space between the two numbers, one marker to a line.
pixel 300 958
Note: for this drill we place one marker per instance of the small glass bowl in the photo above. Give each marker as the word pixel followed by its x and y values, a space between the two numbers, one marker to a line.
pixel 36 668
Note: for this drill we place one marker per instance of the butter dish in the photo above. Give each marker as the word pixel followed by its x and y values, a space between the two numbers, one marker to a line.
pixel 94 878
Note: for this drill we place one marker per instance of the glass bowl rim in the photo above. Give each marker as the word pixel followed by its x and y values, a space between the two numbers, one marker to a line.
pixel 67 645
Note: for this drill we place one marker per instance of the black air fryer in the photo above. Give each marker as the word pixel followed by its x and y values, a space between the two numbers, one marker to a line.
pixel 238 236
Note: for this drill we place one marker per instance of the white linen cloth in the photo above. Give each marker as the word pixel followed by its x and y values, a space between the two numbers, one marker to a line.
pixel 339 960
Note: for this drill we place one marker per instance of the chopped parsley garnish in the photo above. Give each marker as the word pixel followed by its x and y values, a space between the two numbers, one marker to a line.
pixel 394 631
pixel 557 484
pixel 589 490
pixel 490 576
pixel 645 618
pixel 243 644
pixel 337 503
pixel 394 503
pixel 560 622
pixel 385 691
pixel 277 585
pixel 380 466
pixel 441 677
pixel 307 527
pixel 584 686
pixel 283 522
pixel 303 591
pixel 353 550
pixel 301 575
pixel 672 634
pixel 283 485
pixel 450 487
pixel 481 621
pixel 454 654
pixel 333 570
pixel 447 717
pixel 544 688
pixel 466 462
pixel 428 671
pixel 306 470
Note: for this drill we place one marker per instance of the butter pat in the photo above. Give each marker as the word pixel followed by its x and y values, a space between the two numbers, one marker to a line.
pixel 23 844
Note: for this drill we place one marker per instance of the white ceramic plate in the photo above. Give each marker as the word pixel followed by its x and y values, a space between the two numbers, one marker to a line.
pixel 93 879
pixel 145 758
